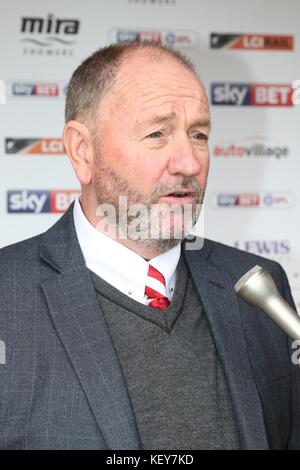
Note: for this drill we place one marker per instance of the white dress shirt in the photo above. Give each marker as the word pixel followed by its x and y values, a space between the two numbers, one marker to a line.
pixel 118 265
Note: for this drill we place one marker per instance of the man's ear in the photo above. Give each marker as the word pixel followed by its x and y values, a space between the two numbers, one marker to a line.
pixel 79 147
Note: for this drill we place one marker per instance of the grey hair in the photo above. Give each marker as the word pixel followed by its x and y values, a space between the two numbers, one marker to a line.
pixel 96 76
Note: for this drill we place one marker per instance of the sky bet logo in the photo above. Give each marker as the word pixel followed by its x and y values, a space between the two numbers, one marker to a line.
pixel 37 89
pixel 37 202
pixel 263 200
pixel 174 38
pixel 254 94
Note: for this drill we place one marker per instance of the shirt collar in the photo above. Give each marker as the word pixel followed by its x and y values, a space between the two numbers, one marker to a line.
pixel 117 264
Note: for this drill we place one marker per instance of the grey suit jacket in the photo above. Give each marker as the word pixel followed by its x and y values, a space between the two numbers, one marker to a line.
pixel 62 385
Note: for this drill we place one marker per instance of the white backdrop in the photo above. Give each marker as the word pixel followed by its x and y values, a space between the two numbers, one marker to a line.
pixel 247 54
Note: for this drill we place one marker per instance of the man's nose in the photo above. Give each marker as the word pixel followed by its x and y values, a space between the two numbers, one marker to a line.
pixel 184 159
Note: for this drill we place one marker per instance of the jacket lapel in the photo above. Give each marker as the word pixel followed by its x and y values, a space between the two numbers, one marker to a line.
pixel 218 298
pixel 82 329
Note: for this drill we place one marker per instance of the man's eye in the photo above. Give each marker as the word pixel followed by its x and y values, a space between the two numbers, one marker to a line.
pixel 155 135
pixel 200 136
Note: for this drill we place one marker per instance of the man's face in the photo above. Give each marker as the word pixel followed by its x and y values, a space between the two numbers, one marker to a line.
pixel 152 141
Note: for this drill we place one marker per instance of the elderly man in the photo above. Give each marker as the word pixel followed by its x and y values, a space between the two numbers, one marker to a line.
pixel 118 336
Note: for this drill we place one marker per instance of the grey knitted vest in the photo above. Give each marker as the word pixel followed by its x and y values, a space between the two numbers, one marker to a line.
pixel 172 371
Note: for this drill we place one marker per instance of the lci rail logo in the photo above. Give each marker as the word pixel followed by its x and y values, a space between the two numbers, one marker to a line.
pixel 28 88
pixel 263 200
pixel 174 38
pixel 48 36
pixel 252 42
pixel 265 247
pixel 34 146
pixel 28 201
pixel 251 148
pixel 254 94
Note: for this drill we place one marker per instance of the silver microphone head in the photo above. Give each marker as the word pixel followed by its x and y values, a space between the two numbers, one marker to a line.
pixel 258 288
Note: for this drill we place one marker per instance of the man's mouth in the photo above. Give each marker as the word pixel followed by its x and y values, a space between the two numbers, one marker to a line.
pixel 180 193
pixel 183 195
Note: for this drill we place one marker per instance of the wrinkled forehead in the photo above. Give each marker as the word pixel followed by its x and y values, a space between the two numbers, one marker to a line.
pixel 144 81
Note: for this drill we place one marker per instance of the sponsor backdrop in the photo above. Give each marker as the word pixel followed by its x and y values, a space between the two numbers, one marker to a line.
pixel 247 54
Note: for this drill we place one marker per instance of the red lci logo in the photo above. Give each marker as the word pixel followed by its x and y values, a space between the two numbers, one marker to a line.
pixel 264 42
pixel 47 146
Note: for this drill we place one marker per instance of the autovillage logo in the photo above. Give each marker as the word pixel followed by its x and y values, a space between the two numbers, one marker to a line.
pixel 34 146
pixel 252 41
pixel 262 200
pixel 36 89
pixel 174 38
pixel 28 201
pixel 48 36
pixel 251 148
pixel 251 94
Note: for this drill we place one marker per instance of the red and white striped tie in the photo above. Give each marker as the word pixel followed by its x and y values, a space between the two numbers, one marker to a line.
pixel 156 289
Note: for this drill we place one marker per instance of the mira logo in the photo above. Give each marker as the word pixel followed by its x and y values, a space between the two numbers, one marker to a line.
pixel 252 42
pixel 38 201
pixel 34 146
pixel 251 148
pixel 49 35
pixel 49 25
pixel 255 94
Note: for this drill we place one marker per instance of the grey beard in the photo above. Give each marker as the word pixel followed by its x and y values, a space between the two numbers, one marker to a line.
pixel 106 195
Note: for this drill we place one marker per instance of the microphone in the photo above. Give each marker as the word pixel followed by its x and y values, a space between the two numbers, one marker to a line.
pixel 258 288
